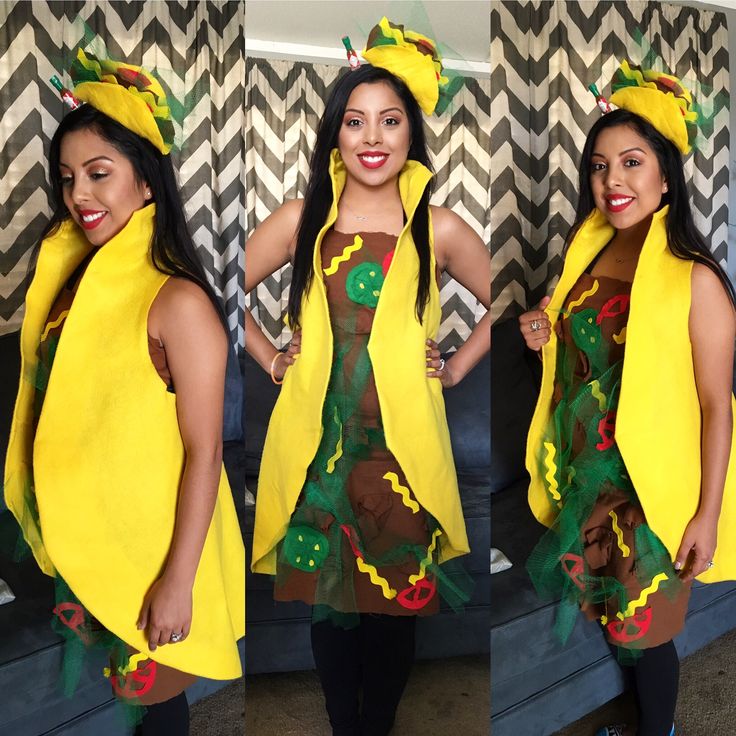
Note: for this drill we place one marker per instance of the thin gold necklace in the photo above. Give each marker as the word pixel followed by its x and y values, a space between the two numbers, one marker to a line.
pixel 362 218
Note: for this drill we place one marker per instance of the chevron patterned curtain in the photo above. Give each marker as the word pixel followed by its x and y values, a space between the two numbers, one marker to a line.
pixel 543 57
pixel 198 51
pixel 285 102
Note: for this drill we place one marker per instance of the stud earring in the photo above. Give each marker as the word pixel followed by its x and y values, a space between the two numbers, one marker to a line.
pixel 148 194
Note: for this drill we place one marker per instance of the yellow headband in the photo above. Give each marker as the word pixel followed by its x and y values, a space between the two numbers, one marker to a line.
pixel 660 99
pixel 128 94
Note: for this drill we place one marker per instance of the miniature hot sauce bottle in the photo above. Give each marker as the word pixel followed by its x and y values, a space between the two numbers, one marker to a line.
pixel 353 59
pixel 68 98
pixel 603 104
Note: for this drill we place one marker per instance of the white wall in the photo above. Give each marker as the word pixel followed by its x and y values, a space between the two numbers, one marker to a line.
pixel 311 29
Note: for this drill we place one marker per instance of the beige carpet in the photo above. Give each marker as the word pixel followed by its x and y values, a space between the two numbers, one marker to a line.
pixel 706 706
pixel 453 695
pixel 450 694
pixel 221 714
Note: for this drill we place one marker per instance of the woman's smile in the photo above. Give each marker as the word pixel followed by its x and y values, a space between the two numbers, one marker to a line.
pixel 373 159
pixel 618 203
pixel 90 219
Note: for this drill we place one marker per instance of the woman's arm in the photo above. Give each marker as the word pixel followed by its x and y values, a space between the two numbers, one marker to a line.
pixel 712 334
pixel 196 346
pixel 461 253
pixel 269 248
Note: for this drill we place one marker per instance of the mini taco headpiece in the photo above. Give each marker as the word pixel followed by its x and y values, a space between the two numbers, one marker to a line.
pixel 128 94
pixel 661 99
pixel 412 57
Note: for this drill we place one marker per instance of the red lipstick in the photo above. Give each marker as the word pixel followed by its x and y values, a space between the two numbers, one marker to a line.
pixel 373 159
pixel 619 203
pixel 90 219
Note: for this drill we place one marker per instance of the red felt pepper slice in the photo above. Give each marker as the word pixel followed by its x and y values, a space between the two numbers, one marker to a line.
pixel 387 261
pixel 613 307
pixel 418 595
pixel 607 430
pixel 76 621
pixel 126 687
pixel 575 570
pixel 631 628
pixel 348 533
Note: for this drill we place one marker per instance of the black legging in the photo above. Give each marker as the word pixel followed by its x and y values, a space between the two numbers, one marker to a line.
pixel 170 718
pixel 654 677
pixel 375 656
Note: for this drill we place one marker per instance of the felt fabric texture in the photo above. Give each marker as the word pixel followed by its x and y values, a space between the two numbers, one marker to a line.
pixel 658 419
pixel 108 457
pixel 659 98
pixel 128 94
pixel 413 68
pixel 657 108
pixel 117 103
pixel 416 431
pixel 397 50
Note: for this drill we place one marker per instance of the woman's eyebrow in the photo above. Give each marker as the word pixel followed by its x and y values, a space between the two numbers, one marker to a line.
pixel 89 161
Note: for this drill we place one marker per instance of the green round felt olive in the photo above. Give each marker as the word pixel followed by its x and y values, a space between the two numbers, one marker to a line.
pixel 305 548
pixel 363 284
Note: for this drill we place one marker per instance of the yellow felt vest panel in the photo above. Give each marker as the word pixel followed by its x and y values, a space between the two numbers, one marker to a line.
pixel 658 422
pixel 412 406
pixel 108 456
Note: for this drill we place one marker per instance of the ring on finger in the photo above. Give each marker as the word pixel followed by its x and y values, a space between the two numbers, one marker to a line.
pixel 176 636
pixel 710 564
pixel 442 364
pixel 535 325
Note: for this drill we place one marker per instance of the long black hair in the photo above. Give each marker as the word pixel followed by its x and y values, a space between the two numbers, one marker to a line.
pixel 172 249
pixel 318 197
pixel 683 238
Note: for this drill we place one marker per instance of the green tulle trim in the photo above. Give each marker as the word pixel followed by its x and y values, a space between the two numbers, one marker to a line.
pixel 324 535
pixel 581 463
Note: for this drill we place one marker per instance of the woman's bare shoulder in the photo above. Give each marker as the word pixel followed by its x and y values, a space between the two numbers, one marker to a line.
pixel 181 301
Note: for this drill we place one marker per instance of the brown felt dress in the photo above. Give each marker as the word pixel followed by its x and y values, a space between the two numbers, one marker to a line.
pixel 348 507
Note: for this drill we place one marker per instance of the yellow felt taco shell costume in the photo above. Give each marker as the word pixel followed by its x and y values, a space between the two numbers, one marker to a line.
pixel 107 457
pixel 658 423
pixel 415 428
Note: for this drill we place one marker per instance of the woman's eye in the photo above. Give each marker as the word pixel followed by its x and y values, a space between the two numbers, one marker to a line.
pixel 391 121
pixel 632 162
pixel 96 175
pixel 65 181
pixel 353 122
pixel 597 166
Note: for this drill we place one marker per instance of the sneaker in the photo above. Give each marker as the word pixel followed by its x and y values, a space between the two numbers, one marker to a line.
pixel 618 730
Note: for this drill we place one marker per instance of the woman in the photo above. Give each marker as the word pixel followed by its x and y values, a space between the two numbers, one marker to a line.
pixel 114 466
pixel 357 500
pixel 637 343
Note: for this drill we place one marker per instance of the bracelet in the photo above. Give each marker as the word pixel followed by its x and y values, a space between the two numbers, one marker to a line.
pixel 273 363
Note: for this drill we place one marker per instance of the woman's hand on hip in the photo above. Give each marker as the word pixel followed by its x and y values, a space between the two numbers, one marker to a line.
pixel 438 367
pixel 166 610
pixel 283 360
pixel 535 326
pixel 698 546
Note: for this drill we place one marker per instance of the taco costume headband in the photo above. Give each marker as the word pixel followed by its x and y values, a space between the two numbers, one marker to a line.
pixel 128 94
pixel 661 99
pixel 410 56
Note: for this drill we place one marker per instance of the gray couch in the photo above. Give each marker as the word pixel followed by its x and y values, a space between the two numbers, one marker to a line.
pixel 31 703
pixel 279 633
pixel 538 685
